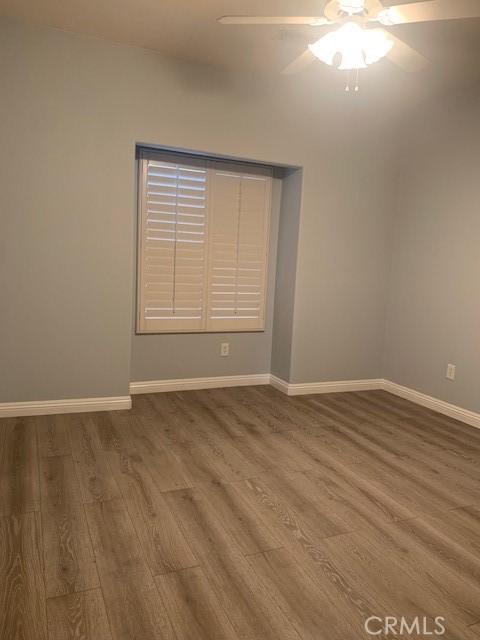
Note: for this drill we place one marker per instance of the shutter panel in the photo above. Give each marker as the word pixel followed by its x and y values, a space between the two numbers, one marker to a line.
pixel 172 245
pixel 239 221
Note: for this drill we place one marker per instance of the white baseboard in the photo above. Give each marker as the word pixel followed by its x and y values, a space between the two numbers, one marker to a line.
pixel 447 409
pixel 325 387
pixel 78 405
pixel 458 413
pixel 279 384
pixel 185 384
pixel 81 405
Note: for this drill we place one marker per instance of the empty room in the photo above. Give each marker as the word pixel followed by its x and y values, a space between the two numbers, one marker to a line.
pixel 239 319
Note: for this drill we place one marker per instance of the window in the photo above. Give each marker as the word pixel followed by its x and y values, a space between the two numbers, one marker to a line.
pixel 202 244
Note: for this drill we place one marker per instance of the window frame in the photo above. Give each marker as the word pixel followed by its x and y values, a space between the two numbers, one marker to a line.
pixel 211 164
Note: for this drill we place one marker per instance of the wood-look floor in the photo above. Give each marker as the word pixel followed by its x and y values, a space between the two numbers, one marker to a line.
pixel 238 514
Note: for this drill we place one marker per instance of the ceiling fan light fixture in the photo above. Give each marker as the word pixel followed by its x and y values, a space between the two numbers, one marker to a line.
pixel 358 47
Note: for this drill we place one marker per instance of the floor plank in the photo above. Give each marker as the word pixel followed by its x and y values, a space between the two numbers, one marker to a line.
pixel 396 590
pixel 163 543
pixel 308 503
pixel 286 518
pixel 310 608
pixel 462 525
pixel 68 555
pixel 91 462
pixel 199 463
pixel 78 616
pixel 22 593
pixel 418 493
pixel 395 438
pixel 429 537
pixel 52 433
pixel 192 606
pixel 251 607
pixel 141 444
pixel 171 421
pixel 19 487
pixel 358 500
pixel 134 607
pixel 247 529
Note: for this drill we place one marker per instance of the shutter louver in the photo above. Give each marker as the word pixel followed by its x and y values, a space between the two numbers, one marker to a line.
pixel 172 239
pixel 239 227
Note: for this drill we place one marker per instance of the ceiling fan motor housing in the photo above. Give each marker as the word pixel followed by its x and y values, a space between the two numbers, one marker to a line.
pixel 352 7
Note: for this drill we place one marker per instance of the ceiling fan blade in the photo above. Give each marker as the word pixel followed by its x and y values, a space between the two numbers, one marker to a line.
pixel 373 7
pixel 433 10
pixel 300 63
pixel 405 56
pixel 310 20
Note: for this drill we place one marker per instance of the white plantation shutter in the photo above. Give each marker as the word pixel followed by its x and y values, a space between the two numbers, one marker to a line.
pixel 172 241
pixel 202 245
pixel 239 224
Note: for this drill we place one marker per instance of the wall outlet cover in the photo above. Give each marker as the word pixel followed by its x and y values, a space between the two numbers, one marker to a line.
pixel 225 349
pixel 451 372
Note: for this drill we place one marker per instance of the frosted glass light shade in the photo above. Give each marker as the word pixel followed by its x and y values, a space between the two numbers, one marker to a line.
pixel 377 46
pixel 352 59
pixel 358 47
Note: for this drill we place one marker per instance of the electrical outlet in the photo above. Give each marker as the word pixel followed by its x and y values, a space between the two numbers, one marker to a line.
pixel 451 372
pixel 225 349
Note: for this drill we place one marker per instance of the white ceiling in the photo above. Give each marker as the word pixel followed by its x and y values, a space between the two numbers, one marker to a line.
pixel 188 29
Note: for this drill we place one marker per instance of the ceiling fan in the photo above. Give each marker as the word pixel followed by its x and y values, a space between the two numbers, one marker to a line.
pixel 358 44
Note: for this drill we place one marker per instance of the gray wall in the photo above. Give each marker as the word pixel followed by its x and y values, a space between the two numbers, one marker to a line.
pixel 196 355
pixel 286 274
pixel 434 307
pixel 71 112
pixel 66 225
pixel 343 260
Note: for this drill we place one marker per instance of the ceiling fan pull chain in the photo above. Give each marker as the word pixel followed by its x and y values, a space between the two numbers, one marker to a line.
pixel 350 74
pixel 347 86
